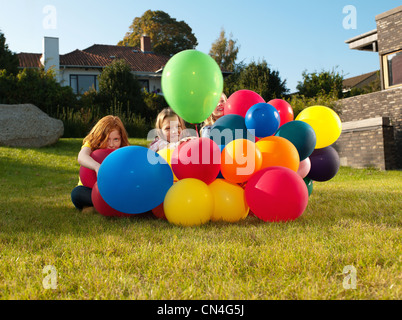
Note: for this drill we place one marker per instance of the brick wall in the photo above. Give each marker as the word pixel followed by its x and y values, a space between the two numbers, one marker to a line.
pixel 375 146
pixel 361 149
pixel 389 30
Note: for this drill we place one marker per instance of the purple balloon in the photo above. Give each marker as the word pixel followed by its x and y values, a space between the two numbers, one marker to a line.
pixel 324 164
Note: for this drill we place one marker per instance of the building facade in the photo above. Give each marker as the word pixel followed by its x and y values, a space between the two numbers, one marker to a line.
pixel 372 123
pixel 80 69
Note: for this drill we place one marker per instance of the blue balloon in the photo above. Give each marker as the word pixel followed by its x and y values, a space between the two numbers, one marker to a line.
pixel 228 128
pixel 134 179
pixel 301 134
pixel 263 118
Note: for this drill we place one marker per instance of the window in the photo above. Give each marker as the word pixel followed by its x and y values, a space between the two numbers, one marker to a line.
pixel 144 84
pixel 82 83
pixel 392 69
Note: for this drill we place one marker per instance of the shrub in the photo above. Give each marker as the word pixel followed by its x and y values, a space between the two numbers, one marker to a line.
pixel 300 102
pixel 38 87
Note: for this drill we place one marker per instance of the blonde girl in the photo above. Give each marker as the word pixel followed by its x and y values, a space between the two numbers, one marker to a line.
pixel 216 114
pixel 169 130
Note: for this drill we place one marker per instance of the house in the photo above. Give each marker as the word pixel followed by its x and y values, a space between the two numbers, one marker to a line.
pixel 80 69
pixel 360 81
pixel 372 123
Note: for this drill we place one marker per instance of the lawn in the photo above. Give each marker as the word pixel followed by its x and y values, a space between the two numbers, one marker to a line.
pixel 352 221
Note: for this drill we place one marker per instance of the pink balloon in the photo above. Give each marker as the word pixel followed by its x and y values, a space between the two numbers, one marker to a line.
pixel 276 194
pixel 197 158
pixel 285 110
pixel 240 101
pixel 88 176
pixel 304 167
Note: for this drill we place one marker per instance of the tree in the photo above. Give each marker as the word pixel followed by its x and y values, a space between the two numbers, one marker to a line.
pixel 38 87
pixel 325 82
pixel 168 36
pixel 224 51
pixel 257 77
pixel 8 60
pixel 118 87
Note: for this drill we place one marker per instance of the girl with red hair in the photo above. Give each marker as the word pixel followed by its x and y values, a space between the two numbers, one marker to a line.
pixel 108 133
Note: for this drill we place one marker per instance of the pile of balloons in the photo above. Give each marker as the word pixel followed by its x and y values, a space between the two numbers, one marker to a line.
pixel 258 159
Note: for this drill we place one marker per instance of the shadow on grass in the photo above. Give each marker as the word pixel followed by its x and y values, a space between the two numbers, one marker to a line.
pixel 19 167
pixel 60 217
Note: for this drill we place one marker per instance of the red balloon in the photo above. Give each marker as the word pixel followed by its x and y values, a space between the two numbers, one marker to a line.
pixel 159 212
pixel 88 176
pixel 102 207
pixel 240 101
pixel 285 110
pixel 276 194
pixel 197 158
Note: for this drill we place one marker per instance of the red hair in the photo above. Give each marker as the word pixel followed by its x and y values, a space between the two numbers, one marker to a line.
pixel 97 137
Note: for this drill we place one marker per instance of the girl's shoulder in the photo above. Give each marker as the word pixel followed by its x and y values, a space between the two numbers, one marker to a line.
pixel 205 131
pixel 86 144
pixel 158 144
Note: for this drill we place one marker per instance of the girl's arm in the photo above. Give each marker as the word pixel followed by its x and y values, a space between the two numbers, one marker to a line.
pixel 85 159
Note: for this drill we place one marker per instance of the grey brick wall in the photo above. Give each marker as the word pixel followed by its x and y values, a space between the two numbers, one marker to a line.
pixel 389 31
pixel 379 147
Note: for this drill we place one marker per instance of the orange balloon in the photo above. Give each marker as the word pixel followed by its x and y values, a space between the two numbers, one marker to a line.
pixel 241 158
pixel 278 151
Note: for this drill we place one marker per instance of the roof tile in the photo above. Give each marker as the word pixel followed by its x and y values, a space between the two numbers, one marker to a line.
pixel 82 58
pixel 100 55
pixel 29 60
pixel 138 60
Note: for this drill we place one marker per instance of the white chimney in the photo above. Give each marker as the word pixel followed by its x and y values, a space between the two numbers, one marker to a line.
pixel 50 57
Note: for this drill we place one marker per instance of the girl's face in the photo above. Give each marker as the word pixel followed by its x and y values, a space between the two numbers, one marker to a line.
pixel 171 129
pixel 114 140
pixel 218 112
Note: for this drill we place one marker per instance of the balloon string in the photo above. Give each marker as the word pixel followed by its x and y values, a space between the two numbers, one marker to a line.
pixel 196 130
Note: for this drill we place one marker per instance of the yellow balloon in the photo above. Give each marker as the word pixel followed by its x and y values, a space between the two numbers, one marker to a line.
pixel 188 202
pixel 167 155
pixel 325 122
pixel 230 201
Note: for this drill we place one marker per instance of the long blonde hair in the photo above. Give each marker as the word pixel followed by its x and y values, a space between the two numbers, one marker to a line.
pixel 211 119
pixel 97 137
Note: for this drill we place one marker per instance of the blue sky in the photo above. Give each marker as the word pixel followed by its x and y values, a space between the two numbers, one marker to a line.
pixel 291 35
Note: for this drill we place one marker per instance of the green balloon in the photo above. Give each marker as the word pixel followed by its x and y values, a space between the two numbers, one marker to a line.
pixel 309 184
pixel 192 84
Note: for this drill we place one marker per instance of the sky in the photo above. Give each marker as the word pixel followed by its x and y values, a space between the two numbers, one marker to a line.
pixel 292 36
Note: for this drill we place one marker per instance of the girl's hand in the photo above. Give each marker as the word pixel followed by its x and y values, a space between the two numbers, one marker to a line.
pixel 186 139
pixel 85 160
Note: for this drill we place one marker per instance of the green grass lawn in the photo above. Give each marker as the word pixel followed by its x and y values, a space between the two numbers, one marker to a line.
pixel 352 220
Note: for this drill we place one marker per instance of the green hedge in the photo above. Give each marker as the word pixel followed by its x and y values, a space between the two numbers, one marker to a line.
pixel 79 113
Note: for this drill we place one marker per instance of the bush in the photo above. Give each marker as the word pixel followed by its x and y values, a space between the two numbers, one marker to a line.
pixel 78 123
pixel 154 104
pixel 38 87
pixel 79 114
pixel 300 102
